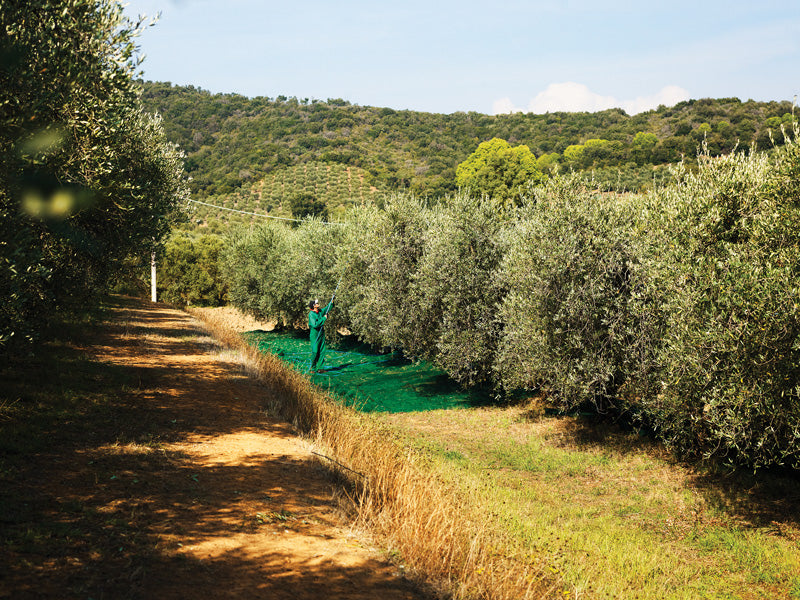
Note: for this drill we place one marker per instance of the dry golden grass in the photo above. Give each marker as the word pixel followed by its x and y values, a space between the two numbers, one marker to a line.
pixel 437 532
pixel 232 319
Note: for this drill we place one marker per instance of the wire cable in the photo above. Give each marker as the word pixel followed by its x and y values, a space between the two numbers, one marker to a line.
pixel 244 212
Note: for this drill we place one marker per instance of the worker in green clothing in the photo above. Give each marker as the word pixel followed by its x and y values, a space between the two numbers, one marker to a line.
pixel 316 321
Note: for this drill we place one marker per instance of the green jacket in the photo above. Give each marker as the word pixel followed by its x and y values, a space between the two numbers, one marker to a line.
pixel 316 322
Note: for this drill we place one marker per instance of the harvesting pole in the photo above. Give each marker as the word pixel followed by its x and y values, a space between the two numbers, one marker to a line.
pixel 336 290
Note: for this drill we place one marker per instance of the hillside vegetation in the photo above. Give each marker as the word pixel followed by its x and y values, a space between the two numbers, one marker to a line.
pixel 231 140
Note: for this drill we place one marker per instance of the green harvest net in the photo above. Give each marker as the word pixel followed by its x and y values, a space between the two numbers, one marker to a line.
pixel 368 380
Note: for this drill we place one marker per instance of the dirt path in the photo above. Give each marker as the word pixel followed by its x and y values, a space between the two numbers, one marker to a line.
pixel 218 499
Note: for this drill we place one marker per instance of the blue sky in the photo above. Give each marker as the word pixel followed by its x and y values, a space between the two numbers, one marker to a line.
pixel 490 57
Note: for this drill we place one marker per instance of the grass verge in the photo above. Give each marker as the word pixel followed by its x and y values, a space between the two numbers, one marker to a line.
pixel 613 513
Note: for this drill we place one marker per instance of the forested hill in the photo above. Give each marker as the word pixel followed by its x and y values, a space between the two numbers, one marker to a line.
pixel 231 140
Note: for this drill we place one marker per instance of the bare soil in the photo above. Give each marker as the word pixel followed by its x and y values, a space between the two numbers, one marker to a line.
pixel 184 488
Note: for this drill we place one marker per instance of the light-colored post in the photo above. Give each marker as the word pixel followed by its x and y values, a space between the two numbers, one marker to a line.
pixel 153 276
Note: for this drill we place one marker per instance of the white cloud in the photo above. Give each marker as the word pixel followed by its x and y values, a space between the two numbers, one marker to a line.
pixel 504 106
pixel 576 97
pixel 668 96
pixel 570 97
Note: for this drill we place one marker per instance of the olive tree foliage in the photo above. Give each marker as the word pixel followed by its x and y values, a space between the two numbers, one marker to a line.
pixel 499 171
pixel 421 279
pixel 576 321
pixel 455 291
pixel 189 270
pixel 679 308
pixel 255 271
pixel 376 264
pixel 727 265
pixel 312 270
pixel 273 270
pixel 86 177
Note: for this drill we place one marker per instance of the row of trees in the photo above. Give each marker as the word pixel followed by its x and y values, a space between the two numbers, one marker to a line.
pixel 86 175
pixel 677 308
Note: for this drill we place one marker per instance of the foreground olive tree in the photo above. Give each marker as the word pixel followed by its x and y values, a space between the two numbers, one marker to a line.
pixel 725 264
pixel 86 177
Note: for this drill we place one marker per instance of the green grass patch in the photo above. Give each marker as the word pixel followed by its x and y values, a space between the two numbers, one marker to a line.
pixel 614 515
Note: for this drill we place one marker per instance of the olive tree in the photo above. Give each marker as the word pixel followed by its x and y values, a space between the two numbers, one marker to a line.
pixel 377 260
pixel 576 323
pixel 311 272
pixel 254 269
pixel 456 293
pixel 86 178
pixel 273 270
pixel 724 260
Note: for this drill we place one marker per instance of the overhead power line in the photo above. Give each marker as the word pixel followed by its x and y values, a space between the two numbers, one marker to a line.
pixel 244 212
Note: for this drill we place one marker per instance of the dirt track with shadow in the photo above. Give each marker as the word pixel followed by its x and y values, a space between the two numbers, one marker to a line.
pixel 181 488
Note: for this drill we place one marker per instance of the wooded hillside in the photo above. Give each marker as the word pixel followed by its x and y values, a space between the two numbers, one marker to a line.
pixel 232 141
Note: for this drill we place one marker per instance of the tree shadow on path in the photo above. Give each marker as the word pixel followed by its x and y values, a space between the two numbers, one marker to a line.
pixel 142 465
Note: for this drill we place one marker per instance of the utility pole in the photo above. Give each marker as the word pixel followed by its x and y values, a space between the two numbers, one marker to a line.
pixel 153 276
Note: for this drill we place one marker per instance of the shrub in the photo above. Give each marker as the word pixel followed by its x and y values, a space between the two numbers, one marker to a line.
pixel 680 306
pixel 306 204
